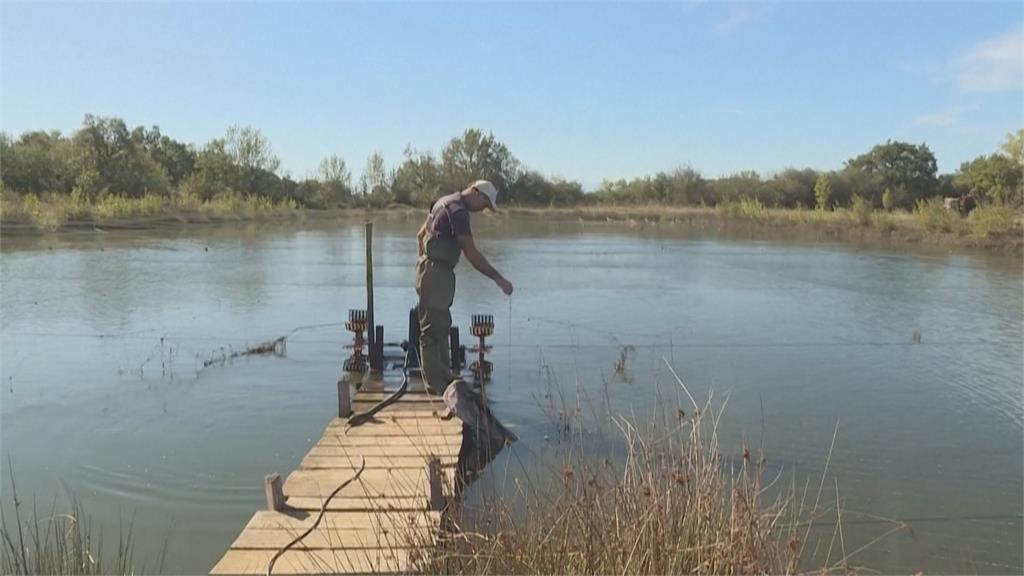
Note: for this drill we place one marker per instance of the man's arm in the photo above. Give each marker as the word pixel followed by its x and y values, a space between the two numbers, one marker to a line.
pixel 420 237
pixel 482 265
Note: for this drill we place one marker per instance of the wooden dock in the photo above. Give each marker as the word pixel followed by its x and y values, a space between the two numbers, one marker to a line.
pixel 380 523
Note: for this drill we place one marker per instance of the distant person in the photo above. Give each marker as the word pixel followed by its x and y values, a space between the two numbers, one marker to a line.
pixel 442 238
pixel 967 203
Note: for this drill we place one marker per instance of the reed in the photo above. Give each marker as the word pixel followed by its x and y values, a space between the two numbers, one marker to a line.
pixel 61 541
pixel 670 502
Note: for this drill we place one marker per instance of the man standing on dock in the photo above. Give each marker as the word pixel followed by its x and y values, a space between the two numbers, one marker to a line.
pixel 441 240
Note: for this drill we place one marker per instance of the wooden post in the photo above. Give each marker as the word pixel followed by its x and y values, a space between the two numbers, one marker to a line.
pixel 344 399
pixel 370 326
pixel 275 495
pixel 436 493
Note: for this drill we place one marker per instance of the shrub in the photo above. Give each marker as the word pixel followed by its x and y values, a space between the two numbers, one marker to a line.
pixel 888 200
pixel 861 210
pixel 752 208
pixel 994 220
pixel 933 215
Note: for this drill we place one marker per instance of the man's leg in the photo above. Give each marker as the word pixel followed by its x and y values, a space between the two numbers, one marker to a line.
pixel 435 357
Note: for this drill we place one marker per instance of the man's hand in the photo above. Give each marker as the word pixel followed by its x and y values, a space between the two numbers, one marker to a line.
pixel 505 286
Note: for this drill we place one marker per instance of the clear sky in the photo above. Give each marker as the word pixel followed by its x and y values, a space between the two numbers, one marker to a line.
pixel 582 91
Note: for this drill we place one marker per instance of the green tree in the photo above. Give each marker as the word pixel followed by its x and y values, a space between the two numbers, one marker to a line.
pixel 177 158
pixel 736 187
pixel 898 166
pixel 685 187
pixel 124 167
pixel 215 172
pixel 254 159
pixel 374 185
pixel 335 181
pixel 476 155
pixel 417 180
pixel 790 188
pixel 1013 147
pixel 37 163
pixel 823 192
pixel 996 178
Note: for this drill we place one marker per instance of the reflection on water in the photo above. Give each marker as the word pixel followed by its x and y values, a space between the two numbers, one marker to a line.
pixel 104 391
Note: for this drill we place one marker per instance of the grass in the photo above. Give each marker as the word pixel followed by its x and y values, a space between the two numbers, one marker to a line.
pixel 995 228
pixel 671 502
pixel 56 211
pixel 994 222
pixel 59 542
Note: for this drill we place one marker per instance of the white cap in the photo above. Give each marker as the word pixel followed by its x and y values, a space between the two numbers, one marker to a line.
pixel 487 189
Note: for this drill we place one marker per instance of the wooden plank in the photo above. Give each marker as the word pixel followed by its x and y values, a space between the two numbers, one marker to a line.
pixel 326 539
pixel 389 483
pixel 350 462
pixel 368 430
pixel 340 436
pixel 383 421
pixel 391 451
pixel 366 396
pixel 415 417
pixel 369 477
pixel 376 524
pixel 390 412
pixel 364 405
pixel 314 562
pixel 392 386
pixel 375 505
pixel 265 520
pixel 407 427
pixel 384 442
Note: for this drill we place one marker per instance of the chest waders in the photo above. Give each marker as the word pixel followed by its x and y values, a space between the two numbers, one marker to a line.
pixel 435 284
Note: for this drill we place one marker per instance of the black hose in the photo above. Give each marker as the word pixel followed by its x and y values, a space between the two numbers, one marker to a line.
pixel 323 510
pixel 364 417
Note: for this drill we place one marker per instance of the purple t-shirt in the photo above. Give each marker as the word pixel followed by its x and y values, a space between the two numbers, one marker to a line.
pixel 449 217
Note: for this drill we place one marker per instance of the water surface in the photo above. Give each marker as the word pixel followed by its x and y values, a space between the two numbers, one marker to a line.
pixel 104 393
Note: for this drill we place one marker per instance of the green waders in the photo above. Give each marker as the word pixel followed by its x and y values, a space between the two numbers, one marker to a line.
pixel 435 284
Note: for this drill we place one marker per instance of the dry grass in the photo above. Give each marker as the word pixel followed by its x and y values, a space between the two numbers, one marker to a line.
pixel 995 222
pixel 56 211
pixel 994 228
pixel 670 503
pixel 64 542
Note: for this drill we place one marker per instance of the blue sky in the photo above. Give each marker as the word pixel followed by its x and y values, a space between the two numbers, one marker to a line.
pixel 582 91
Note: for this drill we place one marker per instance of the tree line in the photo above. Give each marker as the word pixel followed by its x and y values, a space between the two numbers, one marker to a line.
pixel 104 157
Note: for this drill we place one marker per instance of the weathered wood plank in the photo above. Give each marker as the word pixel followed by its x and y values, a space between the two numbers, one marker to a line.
pixel 420 417
pixel 350 462
pixel 336 440
pixel 390 451
pixel 378 523
pixel 383 483
pixel 392 387
pixel 359 405
pixel 409 425
pixel 314 562
pixel 385 537
pixel 376 505
pixel 366 396
pixel 389 429
pixel 264 520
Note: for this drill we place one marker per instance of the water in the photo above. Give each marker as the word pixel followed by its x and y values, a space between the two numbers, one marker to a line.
pixel 104 394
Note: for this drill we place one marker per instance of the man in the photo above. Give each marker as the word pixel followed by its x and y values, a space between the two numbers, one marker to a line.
pixel 442 239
